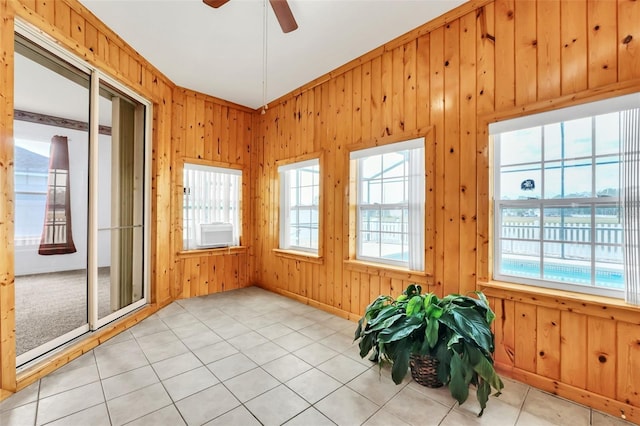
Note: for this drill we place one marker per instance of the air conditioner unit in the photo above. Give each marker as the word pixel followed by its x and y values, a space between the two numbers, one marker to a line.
pixel 218 234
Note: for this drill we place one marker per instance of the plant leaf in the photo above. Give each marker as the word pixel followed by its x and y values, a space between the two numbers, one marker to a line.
pixel 388 322
pixel 473 327
pixel 366 343
pixel 431 333
pixel 374 307
pixel 383 313
pixel 484 368
pixel 400 329
pixel 400 363
pixel 358 329
pixel 458 387
pixel 483 303
pixel 482 393
pixel 414 306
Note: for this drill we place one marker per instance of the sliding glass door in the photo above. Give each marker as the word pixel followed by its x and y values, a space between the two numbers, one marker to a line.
pixel 121 204
pixel 81 189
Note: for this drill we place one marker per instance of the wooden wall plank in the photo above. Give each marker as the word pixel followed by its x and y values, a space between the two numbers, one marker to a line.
pixel 332 225
pixel 525 52
pixel 410 86
pixel 46 9
pixel 505 54
pixel 366 105
pixel 225 141
pixel 436 109
pixel 628 359
pixel 526 345
pixel 485 87
pixel 103 54
pixel 208 131
pixel 601 356
pixel 451 171
pixel 91 39
pixel 357 100
pixel 548 342
pixel 62 17
pixel 77 29
pixel 602 32
pixel 190 125
pixel 193 265
pixel 548 49
pixel 377 119
pixel 386 103
pixel 397 119
pixel 628 40
pixel 505 332
pixel 573 334
pixel 423 100
pixel 200 120
pixel 468 152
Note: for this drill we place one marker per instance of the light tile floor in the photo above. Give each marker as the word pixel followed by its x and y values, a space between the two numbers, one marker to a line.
pixel 251 357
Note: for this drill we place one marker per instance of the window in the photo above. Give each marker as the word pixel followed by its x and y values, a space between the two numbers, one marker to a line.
pixel 57 237
pixel 299 200
pixel 558 205
pixel 211 209
pixel 390 187
pixel 31 159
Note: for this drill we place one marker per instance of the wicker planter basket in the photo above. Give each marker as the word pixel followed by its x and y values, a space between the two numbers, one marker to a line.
pixel 424 370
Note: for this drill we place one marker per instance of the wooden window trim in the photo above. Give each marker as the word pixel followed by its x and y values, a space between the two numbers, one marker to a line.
pixel 384 270
pixel 299 256
pixel 220 251
pixel 296 254
pixel 350 213
pixel 588 304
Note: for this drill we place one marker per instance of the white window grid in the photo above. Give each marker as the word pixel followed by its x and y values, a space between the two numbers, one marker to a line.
pixel 296 232
pixel 603 244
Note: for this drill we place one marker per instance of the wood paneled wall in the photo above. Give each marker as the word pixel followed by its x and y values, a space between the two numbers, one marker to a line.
pixel 213 132
pixel 452 76
pixel 75 28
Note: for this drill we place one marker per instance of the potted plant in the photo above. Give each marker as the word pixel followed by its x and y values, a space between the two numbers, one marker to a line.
pixel 451 335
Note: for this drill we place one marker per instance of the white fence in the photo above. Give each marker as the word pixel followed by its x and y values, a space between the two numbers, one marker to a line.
pixel 565 241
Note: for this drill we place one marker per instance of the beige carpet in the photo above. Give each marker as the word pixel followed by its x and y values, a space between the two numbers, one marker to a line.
pixel 50 305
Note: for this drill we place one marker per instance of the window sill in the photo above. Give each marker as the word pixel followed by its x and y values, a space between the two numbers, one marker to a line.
pixel 299 255
pixel 183 254
pixel 383 270
pixel 601 306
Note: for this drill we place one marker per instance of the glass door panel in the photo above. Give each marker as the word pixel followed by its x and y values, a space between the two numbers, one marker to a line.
pixel 120 204
pixel 51 184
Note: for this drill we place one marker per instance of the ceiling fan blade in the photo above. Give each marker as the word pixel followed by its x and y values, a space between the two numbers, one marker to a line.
pixel 215 3
pixel 285 17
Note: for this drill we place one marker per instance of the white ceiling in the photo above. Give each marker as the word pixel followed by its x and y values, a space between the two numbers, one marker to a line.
pixel 219 51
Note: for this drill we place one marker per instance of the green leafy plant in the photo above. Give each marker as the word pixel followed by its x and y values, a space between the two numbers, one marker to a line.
pixel 455 329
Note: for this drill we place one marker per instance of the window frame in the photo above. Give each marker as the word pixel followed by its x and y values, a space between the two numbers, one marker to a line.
pixel 285 169
pixel 587 106
pixel 234 169
pixel 391 143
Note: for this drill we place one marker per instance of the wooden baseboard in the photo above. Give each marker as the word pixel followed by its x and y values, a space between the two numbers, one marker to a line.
pixel 581 396
pixel 307 301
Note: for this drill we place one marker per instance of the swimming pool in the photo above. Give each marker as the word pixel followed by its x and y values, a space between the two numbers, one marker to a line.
pixel 564 272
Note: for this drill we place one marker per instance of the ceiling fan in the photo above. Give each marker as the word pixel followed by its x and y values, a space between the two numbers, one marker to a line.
pixel 280 8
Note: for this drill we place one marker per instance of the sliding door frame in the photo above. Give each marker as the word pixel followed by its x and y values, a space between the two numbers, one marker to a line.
pixel 43 40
